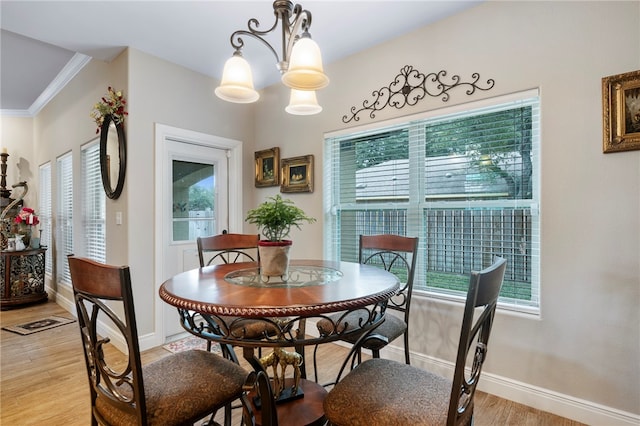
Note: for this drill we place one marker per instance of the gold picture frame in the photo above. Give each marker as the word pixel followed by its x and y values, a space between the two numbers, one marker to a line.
pixel 621 112
pixel 268 167
pixel 297 174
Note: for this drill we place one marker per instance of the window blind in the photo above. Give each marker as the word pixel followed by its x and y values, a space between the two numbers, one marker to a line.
pixel 45 213
pixel 93 204
pixel 64 216
pixel 465 182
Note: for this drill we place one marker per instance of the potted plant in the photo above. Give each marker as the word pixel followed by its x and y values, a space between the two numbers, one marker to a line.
pixel 274 219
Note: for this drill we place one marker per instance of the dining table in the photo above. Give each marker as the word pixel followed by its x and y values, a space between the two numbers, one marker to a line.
pixel 235 305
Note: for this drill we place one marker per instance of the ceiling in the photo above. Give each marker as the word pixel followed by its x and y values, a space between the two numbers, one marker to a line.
pixel 43 44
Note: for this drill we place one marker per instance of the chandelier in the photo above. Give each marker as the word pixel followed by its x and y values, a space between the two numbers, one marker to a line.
pixel 300 62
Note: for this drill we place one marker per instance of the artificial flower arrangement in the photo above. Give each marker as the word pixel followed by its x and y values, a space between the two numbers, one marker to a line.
pixel 112 104
pixel 27 216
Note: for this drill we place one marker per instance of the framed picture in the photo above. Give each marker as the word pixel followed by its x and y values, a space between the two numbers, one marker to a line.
pixel 297 174
pixel 621 112
pixel 268 167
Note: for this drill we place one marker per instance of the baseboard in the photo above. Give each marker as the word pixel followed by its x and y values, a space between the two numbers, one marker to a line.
pixel 533 396
pixel 66 304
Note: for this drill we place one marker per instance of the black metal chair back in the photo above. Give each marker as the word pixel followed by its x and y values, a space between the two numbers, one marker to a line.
pixel 484 290
pixel 228 248
pixel 396 254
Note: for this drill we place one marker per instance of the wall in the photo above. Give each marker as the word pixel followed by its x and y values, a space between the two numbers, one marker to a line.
pixel 164 93
pixel 64 125
pixel 580 358
pixel 16 135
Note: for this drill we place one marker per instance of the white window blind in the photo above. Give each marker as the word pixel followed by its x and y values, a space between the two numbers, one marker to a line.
pixel 464 182
pixel 45 213
pixel 93 204
pixel 64 217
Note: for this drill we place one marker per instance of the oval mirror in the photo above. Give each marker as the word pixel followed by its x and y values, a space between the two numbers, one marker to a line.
pixel 113 157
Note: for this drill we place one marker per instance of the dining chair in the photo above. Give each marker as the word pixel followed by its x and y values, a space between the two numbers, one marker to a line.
pixel 396 254
pixel 178 389
pixel 234 248
pixel 228 248
pixel 381 392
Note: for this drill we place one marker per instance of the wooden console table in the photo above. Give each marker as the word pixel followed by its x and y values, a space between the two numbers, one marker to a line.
pixel 22 275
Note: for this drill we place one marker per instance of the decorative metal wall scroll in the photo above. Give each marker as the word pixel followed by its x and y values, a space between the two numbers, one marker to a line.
pixel 410 86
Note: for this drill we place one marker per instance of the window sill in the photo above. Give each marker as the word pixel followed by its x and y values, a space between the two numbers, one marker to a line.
pixel 507 308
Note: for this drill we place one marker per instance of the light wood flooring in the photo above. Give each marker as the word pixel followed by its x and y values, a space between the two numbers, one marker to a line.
pixel 43 379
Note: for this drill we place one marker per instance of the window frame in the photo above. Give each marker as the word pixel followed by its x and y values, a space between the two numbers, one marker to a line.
pixel 45 213
pixel 64 217
pixel 93 203
pixel 417 201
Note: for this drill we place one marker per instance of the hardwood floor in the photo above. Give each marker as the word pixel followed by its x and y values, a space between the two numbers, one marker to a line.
pixel 43 378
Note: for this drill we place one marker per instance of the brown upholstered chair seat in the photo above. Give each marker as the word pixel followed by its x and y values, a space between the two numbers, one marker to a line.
pixel 181 389
pixel 398 255
pixel 390 393
pixel 232 248
pixel 250 328
pixel 392 328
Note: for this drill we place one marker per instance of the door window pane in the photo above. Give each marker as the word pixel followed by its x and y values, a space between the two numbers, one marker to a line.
pixel 193 200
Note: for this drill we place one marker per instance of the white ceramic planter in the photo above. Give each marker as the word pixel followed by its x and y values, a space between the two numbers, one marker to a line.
pixel 274 258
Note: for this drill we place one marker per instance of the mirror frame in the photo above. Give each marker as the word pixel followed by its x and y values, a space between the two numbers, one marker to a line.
pixel 122 152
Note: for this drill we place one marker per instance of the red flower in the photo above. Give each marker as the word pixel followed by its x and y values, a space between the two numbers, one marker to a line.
pixel 27 216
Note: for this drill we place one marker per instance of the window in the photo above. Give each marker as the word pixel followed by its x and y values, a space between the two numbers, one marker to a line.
pixel 464 182
pixel 193 200
pixel 93 204
pixel 44 213
pixel 64 218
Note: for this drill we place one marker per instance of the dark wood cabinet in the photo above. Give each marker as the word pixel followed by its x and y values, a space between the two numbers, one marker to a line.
pixel 22 275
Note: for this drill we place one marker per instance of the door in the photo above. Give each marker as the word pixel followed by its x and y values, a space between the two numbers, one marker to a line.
pixel 196 197
pixel 198 188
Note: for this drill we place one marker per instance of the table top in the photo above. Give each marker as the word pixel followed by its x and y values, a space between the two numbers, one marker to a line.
pixel 234 290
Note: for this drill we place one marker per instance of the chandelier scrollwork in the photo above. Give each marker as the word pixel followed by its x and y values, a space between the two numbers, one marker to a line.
pixel 411 86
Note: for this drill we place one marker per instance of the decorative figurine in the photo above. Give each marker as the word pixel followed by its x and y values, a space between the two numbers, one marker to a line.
pixel 283 358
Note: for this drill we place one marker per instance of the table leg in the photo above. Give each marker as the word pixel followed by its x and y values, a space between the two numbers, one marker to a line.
pixel 250 356
pixel 300 335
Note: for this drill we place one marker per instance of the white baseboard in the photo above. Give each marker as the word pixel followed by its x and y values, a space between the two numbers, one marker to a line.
pixel 66 304
pixel 533 396
pixel 523 393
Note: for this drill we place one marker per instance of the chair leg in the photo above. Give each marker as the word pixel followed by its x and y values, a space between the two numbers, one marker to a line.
pixel 227 415
pixel 376 353
pixel 406 348
pixel 315 363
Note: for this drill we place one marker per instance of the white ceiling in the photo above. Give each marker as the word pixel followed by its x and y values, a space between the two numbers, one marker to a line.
pixel 42 43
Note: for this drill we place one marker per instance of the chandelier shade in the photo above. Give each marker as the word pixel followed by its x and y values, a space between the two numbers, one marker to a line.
pixel 305 67
pixel 300 62
pixel 303 102
pixel 237 81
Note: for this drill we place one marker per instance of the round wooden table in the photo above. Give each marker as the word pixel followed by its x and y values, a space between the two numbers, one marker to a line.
pixel 216 302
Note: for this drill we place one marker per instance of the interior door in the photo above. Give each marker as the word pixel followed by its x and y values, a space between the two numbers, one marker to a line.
pixel 196 204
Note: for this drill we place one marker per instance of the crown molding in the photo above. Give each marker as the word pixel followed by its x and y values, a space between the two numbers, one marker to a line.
pixel 73 67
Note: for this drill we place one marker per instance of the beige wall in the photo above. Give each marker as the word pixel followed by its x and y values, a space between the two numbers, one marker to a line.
pixel 580 358
pixel 164 93
pixel 586 342
pixel 16 135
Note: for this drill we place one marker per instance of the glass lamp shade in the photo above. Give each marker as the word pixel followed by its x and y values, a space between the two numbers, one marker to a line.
pixel 237 81
pixel 303 102
pixel 305 70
